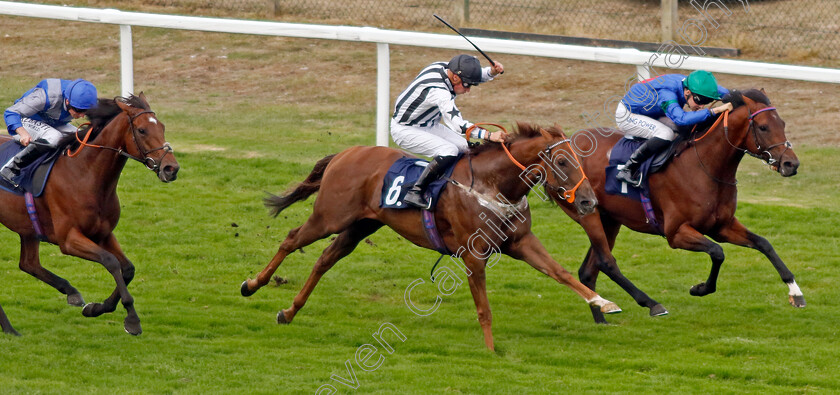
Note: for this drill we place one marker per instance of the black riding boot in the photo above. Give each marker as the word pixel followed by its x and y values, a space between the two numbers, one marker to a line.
pixel 23 158
pixel 630 173
pixel 432 172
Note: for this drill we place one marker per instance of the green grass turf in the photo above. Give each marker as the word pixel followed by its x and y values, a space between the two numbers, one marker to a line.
pixel 201 336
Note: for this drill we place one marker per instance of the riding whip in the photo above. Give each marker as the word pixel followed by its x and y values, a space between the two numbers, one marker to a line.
pixel 468 40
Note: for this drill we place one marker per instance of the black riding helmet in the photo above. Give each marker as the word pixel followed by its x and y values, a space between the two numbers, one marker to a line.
pixel 467 67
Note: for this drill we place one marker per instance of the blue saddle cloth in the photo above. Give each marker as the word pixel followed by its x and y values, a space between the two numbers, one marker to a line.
pixel 402 175
pixel 32 178
pixel 620 154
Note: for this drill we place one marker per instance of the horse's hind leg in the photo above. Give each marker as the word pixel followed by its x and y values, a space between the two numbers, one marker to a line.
pixel 31 263
pixel 126 268
pixel 77 244
pixel 5 324
pixel 600 258
pixel 314 229
pixel 343 244
pixel 688 238
pixel 738 234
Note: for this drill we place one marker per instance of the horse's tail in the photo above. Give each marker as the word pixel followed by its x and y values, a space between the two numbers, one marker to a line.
pixel 310 185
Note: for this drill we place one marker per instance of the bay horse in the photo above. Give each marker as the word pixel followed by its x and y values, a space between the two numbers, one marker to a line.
pixel 693 197
pixel 79 208
pixel 350 185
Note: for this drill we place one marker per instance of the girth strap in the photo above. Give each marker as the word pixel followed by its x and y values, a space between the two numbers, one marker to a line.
pixel 33 216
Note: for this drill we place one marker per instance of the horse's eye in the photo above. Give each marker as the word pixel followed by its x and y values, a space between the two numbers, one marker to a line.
pixel 141 131
pixel 762 128
pixel 561 162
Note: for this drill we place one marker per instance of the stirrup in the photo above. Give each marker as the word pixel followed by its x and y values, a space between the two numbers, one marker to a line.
pixel 625 176
pixel 416 199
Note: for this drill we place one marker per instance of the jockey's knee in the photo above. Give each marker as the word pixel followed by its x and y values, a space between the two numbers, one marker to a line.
pixel 44 144
pixel 451 150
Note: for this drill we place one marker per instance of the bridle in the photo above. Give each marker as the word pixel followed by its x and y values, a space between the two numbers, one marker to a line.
pixel 764 153
pixel 150 163
pixel 568 194
pixel 772 162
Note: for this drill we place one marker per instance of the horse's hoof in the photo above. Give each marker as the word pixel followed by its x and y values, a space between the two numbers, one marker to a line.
pixel 701 290
pixel 281 318
pixel 797 300
pixel 658 310
pixel 244 289
pixel 75 300
pixel 11 331
pixel 610 308
pixel 132 326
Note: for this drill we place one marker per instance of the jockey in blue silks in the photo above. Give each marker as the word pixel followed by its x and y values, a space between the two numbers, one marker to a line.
pixel 653 109
pixel 41 117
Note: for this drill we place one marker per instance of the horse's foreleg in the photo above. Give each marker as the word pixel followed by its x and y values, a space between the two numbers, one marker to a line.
pixel 530 250
pixel 343 244
pixel 79 245
pixel 109 305
pixel 6 325
pixel 298 237
pixel 688 238
pixel 602 238
pixel 31 263
pixel 738 234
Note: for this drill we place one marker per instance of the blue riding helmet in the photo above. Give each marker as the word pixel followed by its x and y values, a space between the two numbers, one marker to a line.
pixel 81 93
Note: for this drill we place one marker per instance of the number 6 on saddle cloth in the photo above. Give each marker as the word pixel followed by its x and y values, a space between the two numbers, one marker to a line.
pixel 402 175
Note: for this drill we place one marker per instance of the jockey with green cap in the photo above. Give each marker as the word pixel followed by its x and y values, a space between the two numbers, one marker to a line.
pixel 653 109
pixel 41 117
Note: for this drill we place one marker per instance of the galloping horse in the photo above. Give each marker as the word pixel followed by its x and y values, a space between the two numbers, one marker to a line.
pixel 348 204
pixel 693 197
pixel 79 208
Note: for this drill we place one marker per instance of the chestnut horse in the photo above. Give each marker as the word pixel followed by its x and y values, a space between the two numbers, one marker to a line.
pixel 350 185
pixel 79 208
pixel 693 197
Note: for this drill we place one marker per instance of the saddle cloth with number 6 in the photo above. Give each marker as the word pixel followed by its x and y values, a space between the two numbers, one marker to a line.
pixel 402 175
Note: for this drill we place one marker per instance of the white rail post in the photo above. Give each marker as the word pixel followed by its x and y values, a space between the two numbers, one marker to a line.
pixel 126 61
pixel 642 72
pixel 383 93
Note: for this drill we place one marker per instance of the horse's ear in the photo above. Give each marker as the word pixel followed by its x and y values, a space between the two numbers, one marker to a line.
pixel 545 134
pixel 762 91
pixel 142 97
pixel 123 105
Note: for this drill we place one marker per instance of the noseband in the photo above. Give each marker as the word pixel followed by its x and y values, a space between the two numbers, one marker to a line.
pixel 150 163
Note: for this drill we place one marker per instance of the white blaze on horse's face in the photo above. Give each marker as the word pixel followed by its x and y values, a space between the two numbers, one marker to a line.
pixel 152 119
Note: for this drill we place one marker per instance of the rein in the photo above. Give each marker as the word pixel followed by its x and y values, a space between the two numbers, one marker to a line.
pixel 568 195
pixel 150 163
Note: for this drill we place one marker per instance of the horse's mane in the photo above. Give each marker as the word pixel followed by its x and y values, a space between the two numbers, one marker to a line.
pixel 736 97
pixel 523 131
pixel 106 110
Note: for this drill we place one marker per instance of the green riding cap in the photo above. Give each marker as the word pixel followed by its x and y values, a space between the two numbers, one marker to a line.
pixel 702 83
